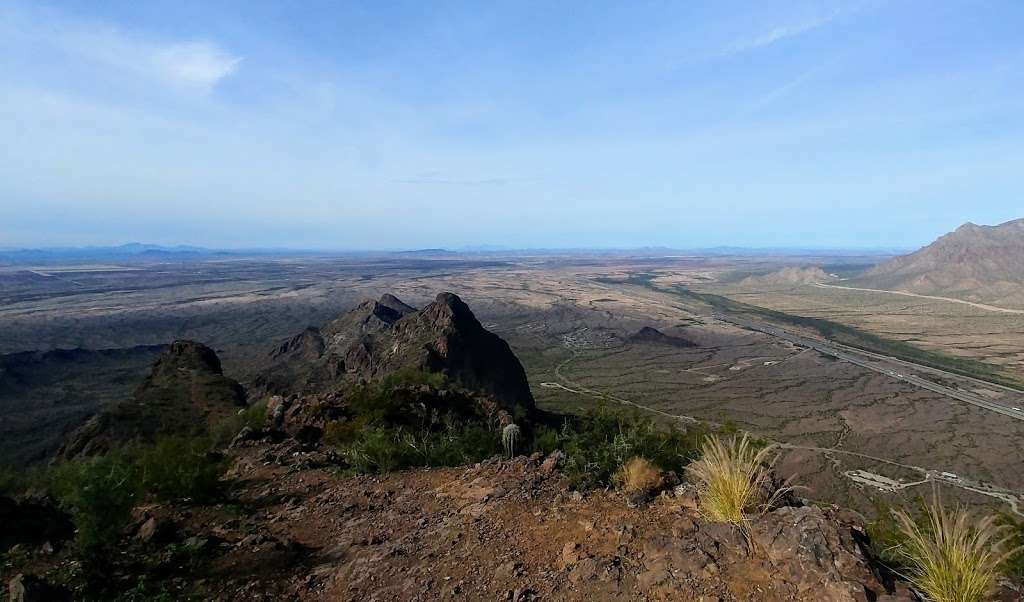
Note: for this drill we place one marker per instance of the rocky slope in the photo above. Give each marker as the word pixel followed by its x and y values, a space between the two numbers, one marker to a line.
pixel 185 392
pixel 505 529
pixel 45 394
pixel 983 264
pixel 378 338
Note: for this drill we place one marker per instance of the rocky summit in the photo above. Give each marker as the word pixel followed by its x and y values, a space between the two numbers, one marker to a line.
pixel 186 391
pixel 378 338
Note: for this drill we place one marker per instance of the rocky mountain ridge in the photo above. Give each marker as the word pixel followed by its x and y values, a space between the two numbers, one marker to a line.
pixel 983 264
pixel 381 337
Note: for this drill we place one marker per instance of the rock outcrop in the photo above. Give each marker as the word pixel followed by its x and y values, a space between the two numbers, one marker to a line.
pixel 185 392
pixel 380 338
pixel 656 337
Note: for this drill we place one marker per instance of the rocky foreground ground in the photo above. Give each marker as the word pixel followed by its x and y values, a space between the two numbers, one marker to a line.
pixel 506 529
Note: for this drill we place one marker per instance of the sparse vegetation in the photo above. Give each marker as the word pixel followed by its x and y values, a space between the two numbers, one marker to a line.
pixel 254 417
pixel 598 443
pixel 854 337
pixel 733 478
pixel 11 480
pixel 177 467
pixel 390 426
pixel 98 493
pixel 953 557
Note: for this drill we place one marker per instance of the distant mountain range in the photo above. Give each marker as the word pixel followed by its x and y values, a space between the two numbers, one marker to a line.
pixel 142 252
pixel 976 263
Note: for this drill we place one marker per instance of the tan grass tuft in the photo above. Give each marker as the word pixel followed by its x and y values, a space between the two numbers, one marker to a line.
pixel 953 557
pixel 638 474
pixel 733 477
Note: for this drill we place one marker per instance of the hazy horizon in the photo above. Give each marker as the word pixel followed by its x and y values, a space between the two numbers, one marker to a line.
pixel 822 125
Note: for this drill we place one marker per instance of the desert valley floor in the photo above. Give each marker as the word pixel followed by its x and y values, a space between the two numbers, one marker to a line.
pixel 587 329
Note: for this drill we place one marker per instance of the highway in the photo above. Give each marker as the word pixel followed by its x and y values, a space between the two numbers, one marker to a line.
pixel 871 361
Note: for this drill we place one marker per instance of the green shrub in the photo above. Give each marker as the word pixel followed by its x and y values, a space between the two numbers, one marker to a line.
pixel 254 417
pixel 545 440
pixel 98 493
pixel 382 450
pixel 1014 565
pixel 410 376
pixel 378 450
pixel 599 442
pixel 177 467
pixel 12 481
pixel 339 433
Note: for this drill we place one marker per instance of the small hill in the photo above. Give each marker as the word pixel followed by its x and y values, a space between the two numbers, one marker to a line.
pixel 656 337
pixel 788 277
pixel 983 264
pixel 185 392
pixel 378 338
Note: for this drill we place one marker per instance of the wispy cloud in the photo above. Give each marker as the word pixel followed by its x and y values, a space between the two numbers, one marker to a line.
pixel 781 33
pixel 436 177
pixel 193 64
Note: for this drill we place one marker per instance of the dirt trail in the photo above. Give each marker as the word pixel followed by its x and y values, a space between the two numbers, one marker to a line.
pixel 1005 310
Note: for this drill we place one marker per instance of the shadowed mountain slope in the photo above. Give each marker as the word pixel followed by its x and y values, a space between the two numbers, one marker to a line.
pixel 185 392
pixel 43 394
pixel 378 338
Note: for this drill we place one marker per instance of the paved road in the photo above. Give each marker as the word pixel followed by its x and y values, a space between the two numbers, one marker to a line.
pixel 871 362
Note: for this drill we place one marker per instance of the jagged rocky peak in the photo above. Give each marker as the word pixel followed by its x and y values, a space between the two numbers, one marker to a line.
pixel 308 344
pixel 392 302
pixel 376 338
pixel 187 355
pixel 185 392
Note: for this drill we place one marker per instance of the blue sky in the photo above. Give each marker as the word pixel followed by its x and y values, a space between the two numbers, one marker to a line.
pixel 522 124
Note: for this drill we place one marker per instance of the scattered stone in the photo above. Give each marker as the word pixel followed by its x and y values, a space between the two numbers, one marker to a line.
pixel 156 531
pixel 29 588
pixel 571 553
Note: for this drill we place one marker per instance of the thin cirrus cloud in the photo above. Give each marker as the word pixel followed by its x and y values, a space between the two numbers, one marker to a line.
pixel 200 64
pixel 781 33
pixel 188 64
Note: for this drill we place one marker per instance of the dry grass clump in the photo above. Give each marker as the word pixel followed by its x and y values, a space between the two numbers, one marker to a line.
pixel 638 474
pixel 733 477
pixel 952 557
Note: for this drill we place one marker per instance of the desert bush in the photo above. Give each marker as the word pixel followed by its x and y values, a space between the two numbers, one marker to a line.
pixel 98 493
pixel 410 376
pixel 598 443
pixel 12 481
pixel 379 450
pixel 545 440
pixel 254 417
pixel 177 467
pixel 1014 564
pixel 733 477
pixel 953 557
pixel 638 474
